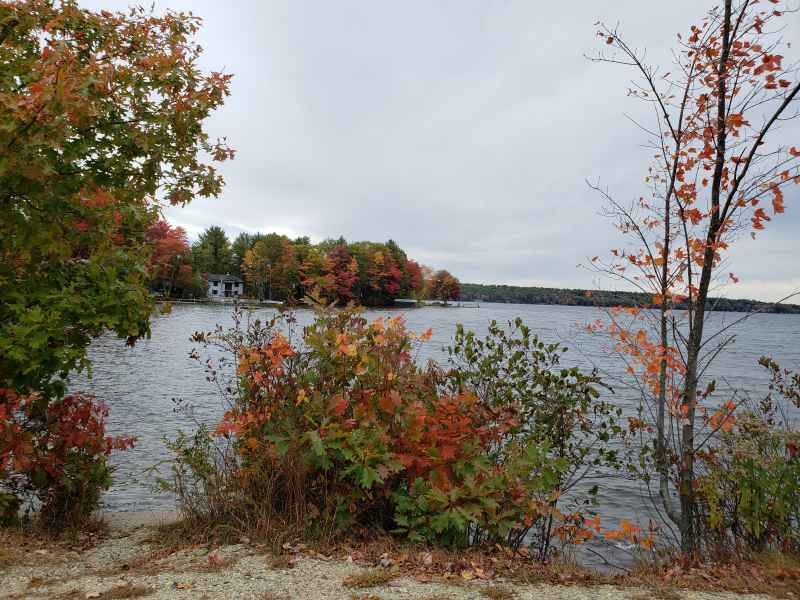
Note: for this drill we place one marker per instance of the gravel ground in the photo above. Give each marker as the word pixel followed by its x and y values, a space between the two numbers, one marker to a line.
pixel 124 566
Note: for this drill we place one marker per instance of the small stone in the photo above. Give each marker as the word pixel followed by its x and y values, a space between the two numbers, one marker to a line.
pixel 427 559
pixel 386 562
pixel 92 595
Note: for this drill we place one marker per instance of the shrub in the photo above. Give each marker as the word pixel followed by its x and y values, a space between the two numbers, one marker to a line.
pixel 343 427
pixel 747 492
pixel 56 454
pixel 565 430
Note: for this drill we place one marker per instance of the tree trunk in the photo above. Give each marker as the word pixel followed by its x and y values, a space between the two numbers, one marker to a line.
pixel 689 401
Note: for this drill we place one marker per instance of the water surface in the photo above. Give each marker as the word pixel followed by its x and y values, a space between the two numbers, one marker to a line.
pixel 140 383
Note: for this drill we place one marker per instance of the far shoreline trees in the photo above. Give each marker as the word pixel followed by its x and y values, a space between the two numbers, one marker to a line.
pixel 275 267
pixel 512 294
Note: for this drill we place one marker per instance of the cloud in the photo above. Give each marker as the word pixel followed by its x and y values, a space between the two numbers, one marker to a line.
pixel 464 130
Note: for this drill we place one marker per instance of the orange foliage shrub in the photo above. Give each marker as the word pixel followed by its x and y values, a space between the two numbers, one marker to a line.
pixel 342 426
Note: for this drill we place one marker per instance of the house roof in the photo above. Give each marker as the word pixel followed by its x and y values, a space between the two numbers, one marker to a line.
pixel 226 278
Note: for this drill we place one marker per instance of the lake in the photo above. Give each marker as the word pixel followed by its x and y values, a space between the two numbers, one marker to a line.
pixel 139 383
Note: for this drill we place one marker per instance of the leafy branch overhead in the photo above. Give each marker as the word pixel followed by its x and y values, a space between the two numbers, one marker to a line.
pixel 101 119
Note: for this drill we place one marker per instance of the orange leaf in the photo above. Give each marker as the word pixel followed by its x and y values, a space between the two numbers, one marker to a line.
pixel 339 405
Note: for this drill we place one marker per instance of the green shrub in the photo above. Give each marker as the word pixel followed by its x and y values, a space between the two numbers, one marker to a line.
pixel 561 417
pixel 748 491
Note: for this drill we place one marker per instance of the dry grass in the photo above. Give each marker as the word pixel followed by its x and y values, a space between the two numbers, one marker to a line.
pixel 116 593
pixel 280 562
pixel 660 592
pixel 498 592
pixel 775 575
pixel 371 578
pixel 73 594
pixel 24 547
pixel 127 591
pixel 29 545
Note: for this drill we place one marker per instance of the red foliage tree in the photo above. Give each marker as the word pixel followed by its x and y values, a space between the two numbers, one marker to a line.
pixel 170 260
pixel 413 280
pixel 383 277
pixel 342 269
pixel 443 286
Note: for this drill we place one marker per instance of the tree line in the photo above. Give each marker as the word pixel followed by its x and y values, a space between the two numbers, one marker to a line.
pixel 275 267
pixel 511 294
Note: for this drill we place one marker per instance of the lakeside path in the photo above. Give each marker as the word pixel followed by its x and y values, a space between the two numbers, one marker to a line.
pixel 126 565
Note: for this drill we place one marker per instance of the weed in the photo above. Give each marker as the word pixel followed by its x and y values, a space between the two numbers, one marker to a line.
pixel 660 591
pixel 127 591
pixel 371 578
pixel 498 592
pixel 280 562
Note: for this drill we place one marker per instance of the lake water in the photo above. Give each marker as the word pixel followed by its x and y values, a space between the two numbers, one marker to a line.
pixel 139 383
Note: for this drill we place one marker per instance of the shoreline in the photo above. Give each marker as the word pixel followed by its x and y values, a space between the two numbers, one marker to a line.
pixel 134 559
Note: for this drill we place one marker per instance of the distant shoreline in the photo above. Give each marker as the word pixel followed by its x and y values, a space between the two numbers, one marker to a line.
pixel 510 294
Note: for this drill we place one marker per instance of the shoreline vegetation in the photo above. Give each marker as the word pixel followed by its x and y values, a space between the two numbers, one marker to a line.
pixel 510 294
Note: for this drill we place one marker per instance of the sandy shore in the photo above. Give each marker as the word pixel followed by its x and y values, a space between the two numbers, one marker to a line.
pixel 127 564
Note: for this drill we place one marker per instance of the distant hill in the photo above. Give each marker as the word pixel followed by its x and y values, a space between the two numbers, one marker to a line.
pixel 511 294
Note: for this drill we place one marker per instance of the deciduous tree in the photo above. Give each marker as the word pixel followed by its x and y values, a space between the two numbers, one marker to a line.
pixel 170 257
pixel 270 269
pixel 443 286
pixel 100 114
pixel 719 171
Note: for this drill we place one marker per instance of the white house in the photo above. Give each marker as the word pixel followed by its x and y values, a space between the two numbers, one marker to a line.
pixel 224 286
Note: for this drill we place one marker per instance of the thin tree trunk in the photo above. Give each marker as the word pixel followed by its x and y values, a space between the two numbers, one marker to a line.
pixel 689 403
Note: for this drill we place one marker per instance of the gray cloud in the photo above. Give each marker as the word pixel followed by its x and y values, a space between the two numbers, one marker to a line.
pixel 464 130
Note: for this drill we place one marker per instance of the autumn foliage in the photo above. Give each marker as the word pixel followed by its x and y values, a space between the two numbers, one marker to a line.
pixel 55 453
pixel 101 120
pixel 276 267
pixel 341 426
pixel 719 171
pixel 169 262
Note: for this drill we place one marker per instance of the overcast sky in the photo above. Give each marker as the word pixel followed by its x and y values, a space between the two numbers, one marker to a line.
pixel 463 130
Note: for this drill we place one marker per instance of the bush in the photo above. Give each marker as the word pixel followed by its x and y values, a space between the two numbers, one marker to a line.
pixel 342 427
pixel 54 454
pixel 748 499
pixel 564 425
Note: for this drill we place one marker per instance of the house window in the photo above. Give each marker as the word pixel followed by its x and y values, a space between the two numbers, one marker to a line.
pixel 214 292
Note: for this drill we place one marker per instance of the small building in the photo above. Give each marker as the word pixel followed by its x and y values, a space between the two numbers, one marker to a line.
pixel 224 286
